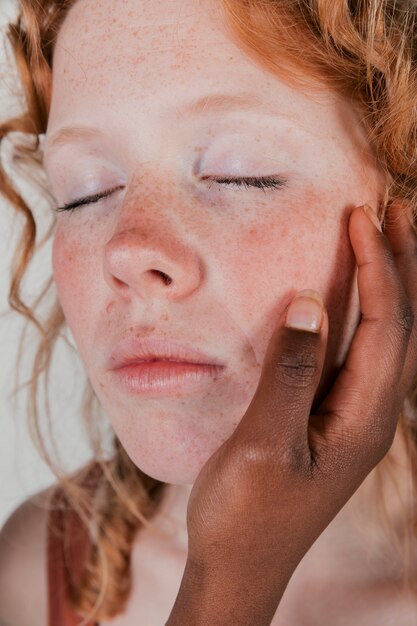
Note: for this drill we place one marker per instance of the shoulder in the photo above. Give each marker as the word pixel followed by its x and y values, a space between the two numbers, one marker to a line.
pixel 23 563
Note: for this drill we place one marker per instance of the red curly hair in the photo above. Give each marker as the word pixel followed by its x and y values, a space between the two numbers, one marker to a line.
pixel 363 49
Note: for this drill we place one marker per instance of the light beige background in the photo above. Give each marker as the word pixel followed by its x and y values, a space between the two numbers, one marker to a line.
pixel 22 471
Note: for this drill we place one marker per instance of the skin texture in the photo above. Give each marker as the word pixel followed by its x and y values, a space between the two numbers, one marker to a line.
pixel 292 470
pixel 236 256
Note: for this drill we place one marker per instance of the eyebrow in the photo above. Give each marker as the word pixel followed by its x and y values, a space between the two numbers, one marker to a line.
pixel 213 103
pixel 221 102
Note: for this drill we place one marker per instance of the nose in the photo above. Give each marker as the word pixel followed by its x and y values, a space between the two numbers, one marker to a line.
pixel 148 264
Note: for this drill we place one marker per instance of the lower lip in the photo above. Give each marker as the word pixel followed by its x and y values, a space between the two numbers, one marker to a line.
pixel 162 377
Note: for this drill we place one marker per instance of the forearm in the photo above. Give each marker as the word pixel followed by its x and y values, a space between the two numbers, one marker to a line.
pixel 209 597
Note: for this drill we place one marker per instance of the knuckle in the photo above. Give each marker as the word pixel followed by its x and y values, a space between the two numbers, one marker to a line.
pixel 296 368
pixel 255 460
pixel 249 467
pixel 258 463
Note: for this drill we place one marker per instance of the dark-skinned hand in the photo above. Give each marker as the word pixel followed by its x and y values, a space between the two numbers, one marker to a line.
pixel 270 490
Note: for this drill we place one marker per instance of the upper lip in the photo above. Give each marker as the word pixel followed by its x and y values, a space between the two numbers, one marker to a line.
pixel 135 349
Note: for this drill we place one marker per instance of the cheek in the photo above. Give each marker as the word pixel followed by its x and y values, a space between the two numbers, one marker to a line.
pixel 302 246
pixel 297 245
pixel 74 279
pixel 64 267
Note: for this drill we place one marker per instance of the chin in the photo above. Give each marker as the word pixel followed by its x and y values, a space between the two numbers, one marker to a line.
pixel 169 465
pixel 176 474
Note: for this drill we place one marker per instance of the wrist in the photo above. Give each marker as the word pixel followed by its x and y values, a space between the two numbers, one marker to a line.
pixel 210 595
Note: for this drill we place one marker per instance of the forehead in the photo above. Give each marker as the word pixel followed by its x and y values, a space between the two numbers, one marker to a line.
pixel 114 30
pixel 140 41
pixel 114 51
pixel 147 59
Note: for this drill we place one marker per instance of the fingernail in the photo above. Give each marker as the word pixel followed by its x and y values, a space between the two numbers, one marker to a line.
pixel 305 311
pixel 372 216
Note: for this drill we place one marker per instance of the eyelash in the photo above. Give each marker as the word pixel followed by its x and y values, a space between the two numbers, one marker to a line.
pixel 263 183
pixel 88 200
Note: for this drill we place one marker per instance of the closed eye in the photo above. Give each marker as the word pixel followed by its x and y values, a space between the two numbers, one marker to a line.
pixel 88 200
pixel 263 183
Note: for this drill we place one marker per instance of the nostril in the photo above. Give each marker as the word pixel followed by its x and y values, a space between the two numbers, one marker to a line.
pixel 119 283
pixel 167 279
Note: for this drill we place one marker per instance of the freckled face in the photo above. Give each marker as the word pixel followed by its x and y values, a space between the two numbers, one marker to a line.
pixel 234 255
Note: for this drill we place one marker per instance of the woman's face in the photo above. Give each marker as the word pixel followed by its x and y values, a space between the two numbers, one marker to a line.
pixel 134 73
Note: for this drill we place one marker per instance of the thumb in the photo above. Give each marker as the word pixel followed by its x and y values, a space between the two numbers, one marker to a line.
pixel 279 413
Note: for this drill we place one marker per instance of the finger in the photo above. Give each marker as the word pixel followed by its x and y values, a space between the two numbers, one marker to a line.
pixel 403 239
pixel 361 405
pixel 276 421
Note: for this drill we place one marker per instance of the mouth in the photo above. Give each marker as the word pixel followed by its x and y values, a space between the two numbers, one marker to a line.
pixel 155 367
pixel 134 350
